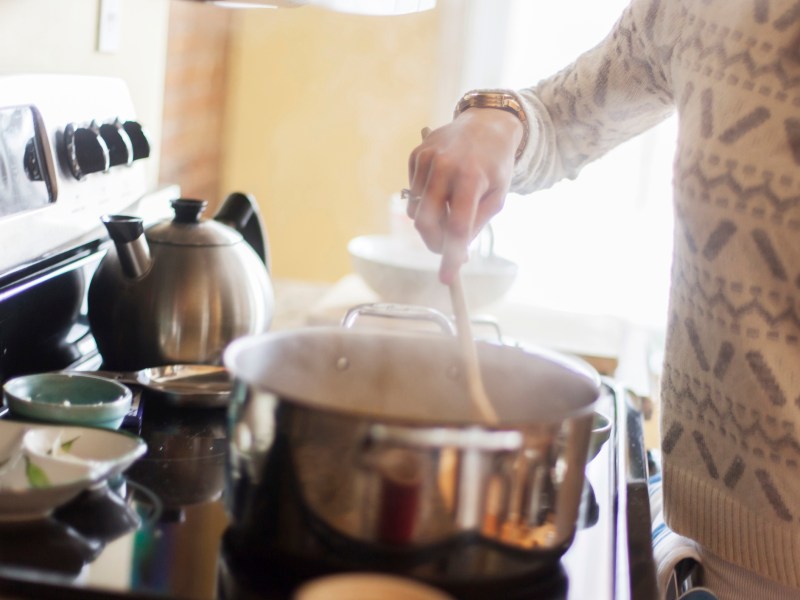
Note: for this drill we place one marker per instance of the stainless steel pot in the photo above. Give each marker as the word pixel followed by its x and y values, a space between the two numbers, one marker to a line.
pixel 371 434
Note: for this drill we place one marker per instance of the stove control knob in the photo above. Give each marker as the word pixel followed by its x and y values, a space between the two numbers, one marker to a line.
pixel 86 150
pixel 120 148
pixel 139 139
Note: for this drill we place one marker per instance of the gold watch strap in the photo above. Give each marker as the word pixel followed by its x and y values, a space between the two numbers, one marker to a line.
pixel 501 101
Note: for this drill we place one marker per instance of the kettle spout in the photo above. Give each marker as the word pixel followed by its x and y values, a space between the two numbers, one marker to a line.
pixel 127 233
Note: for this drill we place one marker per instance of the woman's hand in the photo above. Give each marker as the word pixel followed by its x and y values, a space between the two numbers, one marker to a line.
pixel 459 176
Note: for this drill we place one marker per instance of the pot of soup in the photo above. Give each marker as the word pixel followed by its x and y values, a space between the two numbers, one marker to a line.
pixel 364 441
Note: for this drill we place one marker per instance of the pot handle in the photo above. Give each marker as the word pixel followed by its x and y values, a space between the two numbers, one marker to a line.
pixel 390 310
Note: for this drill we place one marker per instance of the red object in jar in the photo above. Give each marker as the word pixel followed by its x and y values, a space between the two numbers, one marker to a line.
pixel 401 483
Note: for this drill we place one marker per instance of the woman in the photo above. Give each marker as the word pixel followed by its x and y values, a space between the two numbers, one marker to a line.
pixel 731 385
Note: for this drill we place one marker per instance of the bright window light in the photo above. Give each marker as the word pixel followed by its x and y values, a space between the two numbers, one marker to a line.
pixel 602 244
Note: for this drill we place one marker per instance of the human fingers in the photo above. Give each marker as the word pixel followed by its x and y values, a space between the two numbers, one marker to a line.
pixel 460 226
pixel 432 209
pixel 412 201
pixel 418 166
pixel 491 204
pixel 412 159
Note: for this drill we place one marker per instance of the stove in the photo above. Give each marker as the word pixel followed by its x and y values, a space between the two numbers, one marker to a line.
pixel 162 530
pixel 70 151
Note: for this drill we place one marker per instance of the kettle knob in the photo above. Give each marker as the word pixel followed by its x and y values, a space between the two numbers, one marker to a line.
pixel 187 210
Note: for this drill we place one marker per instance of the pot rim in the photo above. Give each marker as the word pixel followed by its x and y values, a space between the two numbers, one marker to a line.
pixel 574 365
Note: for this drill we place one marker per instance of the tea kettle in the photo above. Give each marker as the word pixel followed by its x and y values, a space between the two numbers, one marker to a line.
pixel 182 290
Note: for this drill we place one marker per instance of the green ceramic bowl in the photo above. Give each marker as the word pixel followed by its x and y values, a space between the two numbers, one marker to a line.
pixel 68 398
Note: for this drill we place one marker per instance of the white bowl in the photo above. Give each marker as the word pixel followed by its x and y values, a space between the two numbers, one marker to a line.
pixel 21 501
pixel 45 466
pixel 32 486
pixel 109 453
pixel 407 273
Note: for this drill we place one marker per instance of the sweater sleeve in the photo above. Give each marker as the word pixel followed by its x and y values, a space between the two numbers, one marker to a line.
pixel 608 95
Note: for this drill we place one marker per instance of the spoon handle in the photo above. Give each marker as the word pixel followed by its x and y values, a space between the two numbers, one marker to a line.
pixel 129 377
pixel 469 353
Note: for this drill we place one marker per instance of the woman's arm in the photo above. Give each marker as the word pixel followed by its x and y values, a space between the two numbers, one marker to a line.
pixel 460 174
pixel 610 94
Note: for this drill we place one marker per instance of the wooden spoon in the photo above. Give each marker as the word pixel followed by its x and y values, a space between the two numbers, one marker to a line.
pixel 469 353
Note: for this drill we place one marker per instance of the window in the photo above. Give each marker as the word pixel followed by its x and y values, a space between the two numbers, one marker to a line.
pixel 600 245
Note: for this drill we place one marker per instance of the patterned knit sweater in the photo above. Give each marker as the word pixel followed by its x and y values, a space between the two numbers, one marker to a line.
pixel 731 384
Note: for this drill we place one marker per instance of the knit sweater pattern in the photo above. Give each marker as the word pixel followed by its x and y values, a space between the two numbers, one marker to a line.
pixel 730 395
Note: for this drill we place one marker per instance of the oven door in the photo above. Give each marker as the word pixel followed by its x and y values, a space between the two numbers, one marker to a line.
pixel 44 322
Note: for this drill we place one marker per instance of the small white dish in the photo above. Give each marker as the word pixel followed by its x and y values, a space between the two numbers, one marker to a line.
pixel 32 486
pixel 107 452
pixel 45 466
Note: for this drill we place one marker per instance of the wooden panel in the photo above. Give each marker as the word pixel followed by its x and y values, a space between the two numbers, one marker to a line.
pixel 194 98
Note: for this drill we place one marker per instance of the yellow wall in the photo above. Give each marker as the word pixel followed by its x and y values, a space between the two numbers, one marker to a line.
pixel 60 36
pixel 322 112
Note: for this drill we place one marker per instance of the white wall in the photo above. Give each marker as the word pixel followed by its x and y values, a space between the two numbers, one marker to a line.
pixel 60 36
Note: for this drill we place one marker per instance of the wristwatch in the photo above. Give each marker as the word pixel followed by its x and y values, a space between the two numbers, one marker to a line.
pixel 501 101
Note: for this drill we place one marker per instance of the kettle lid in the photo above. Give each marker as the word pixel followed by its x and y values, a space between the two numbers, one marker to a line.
pixel 186 228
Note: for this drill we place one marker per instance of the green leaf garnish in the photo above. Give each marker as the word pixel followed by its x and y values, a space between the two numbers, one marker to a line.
pixel 67 446
pixel 37 478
